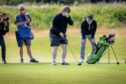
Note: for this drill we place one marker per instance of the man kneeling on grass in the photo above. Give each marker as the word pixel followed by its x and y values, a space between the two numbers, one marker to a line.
pixel 24 35
pixel 58 34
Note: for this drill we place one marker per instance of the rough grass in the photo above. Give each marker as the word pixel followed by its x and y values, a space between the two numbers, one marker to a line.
pixel 45 73
pixel 42 50
pixel 109 15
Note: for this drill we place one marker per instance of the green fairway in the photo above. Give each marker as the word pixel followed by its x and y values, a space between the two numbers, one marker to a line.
pixel 110 18
pixel 42 50
pixel 45 73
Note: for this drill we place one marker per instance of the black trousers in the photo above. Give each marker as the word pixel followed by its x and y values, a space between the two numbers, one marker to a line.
pixel 3 46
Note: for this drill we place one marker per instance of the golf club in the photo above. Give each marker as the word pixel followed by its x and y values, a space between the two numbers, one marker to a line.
pixel 70 49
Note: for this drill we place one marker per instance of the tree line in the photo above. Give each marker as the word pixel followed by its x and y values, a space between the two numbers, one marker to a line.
pixel 15 2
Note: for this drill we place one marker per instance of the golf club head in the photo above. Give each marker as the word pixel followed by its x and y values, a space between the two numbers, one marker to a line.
pixel 79 64
pixel 117 63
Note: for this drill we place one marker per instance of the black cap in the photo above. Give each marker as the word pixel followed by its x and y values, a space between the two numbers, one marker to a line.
pixel 90 17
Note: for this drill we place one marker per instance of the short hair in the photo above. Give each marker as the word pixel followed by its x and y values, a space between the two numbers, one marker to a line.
pixel 21 7
pixel 66 8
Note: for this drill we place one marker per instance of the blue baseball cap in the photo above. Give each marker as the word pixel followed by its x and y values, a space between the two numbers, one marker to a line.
pixel 90 17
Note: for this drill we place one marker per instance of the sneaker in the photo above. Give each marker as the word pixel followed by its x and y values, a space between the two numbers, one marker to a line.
pixel 21 61
pixel 33 61
pixel 80 62
pixel 53 62
pixel 64 63
pixel 4 62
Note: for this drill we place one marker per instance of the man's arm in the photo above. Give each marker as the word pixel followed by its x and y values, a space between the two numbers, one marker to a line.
pixel 82 30
pixel 1 20
pixel 94 29
pixel 70 21
pixel 20 23
pixel 7 26
pixel 28 20
pixel 56 25
pixel 17 22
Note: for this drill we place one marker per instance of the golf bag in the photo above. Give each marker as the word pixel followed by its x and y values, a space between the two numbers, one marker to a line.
pixel 100 48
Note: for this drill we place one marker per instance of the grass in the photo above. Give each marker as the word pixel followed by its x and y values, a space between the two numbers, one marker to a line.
pixel 45 73
pixel 42 50
pixel 109 15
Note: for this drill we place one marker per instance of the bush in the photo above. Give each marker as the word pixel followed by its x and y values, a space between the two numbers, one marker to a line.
pixel 120 15
pixel 13 2
pixel 105 14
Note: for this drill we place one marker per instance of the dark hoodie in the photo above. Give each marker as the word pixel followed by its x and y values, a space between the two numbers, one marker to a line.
pixel 4 28
pixel 85 30
pixel 60 23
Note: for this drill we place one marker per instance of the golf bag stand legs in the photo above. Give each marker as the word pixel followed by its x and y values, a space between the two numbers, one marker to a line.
pixel 108 55
pixel 117 62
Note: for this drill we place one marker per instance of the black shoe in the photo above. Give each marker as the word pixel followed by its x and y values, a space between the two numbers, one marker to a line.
pixel 4 62
pixel 33 61
pixel 65 63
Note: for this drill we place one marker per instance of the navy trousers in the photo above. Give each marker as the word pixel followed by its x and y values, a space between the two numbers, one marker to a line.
pixel 3 46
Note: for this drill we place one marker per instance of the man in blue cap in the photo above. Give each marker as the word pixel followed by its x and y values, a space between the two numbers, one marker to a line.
pixel 88 29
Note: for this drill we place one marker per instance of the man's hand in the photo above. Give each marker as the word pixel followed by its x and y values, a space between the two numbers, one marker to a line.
pixel 92 36
pixel 61 34
pixel 83 41
pixel 67 14
pixel 93 41
pixel 21 23
pixel 1 19
pixel 27 18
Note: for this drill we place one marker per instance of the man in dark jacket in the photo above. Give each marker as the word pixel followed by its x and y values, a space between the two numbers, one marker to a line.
pixel 88 29
pixel 4 28
pixel 58 34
